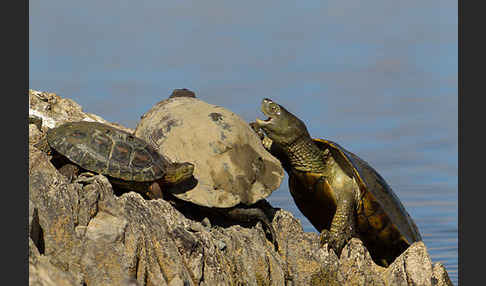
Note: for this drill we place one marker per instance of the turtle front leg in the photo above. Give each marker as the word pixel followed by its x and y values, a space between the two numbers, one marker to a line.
pixel 154 191
pixel 267 142
pixel 342 225
pixel 70 171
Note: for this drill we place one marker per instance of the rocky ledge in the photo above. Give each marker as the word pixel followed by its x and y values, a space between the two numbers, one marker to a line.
pixel 85 233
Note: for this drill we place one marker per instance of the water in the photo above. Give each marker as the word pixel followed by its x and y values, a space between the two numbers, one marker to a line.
pixel 435 212
pixel 378 78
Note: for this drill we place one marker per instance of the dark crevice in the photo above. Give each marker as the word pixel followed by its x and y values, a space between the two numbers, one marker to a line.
pixel 269 270
pixel 137 265
pixel 37 233
pixel 203 268
pixel 41 244
pixel 219 216
pixel 58 160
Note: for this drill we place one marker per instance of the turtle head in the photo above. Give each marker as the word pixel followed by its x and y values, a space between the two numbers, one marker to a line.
pixel 179 172
pixel 281 126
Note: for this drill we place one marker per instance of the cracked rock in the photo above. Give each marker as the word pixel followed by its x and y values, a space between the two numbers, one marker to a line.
pixel 82 233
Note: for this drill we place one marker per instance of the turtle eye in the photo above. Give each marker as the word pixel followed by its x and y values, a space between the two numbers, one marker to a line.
pixel 274 108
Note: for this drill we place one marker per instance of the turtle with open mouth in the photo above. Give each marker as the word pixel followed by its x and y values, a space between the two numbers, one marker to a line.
pixel 340 194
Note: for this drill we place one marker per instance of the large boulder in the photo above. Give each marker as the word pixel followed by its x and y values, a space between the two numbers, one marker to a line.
pixel 82 233
pixel 231 165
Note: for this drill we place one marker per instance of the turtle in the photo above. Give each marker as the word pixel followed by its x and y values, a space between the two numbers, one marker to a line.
pixel 234 173
pixel 338 192
pixel 128 162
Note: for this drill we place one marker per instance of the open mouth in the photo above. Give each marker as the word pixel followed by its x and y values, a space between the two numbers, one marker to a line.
pixel 264 122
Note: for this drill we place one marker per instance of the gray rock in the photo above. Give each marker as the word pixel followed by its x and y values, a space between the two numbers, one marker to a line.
pixel 52 110
pixel 43 273
pixel 414 267
pixel 206 222
pixel 80 232
pixel 440 276
pixel 34 134
pixel 356 266
pixel 221 245
pixel 106 227
pixel 37 121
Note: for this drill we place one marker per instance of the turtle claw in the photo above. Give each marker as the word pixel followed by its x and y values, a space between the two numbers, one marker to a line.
pixel 333 241
pixel 267 142
pixel 70 171
pixel 257 130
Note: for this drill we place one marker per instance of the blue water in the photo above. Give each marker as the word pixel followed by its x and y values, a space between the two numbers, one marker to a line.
pixel 378 77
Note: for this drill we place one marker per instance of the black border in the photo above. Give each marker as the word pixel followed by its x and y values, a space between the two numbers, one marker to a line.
pixel 23 75
pixel 472 205
pixel 15 178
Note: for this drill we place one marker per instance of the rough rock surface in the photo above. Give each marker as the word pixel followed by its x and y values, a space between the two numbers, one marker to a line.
pixel 55 110
pixel 82 233
pixel 232 166
pixel 42 272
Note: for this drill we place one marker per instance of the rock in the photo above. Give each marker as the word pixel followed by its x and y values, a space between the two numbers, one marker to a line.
pixel 34 134
pixel 35 233
pixel 440 276
pixel 50 110
pixel 232 166
pixel 82 233
pixel 43 273
pixel 106 227
pixel 35 120
pixel 356 266
pixel 414 267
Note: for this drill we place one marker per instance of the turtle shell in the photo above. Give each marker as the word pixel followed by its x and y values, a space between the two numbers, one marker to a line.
pixel 232 167
pixel 100 148
pixel 380 214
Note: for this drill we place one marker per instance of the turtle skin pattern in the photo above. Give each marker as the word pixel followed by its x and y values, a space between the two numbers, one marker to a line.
pixel 340 194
